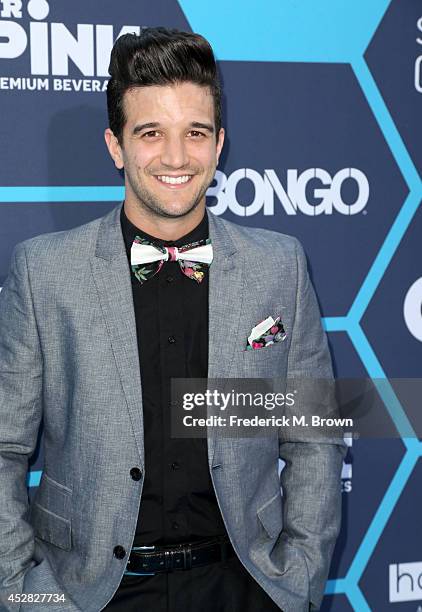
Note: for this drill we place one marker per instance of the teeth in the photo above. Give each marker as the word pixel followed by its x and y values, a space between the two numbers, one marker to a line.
pixel 172 180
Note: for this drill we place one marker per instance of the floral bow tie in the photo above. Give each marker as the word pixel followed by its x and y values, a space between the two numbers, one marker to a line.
pixel 147 258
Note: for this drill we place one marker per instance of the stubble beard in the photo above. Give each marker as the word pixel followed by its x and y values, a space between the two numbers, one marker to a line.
pixel 151 204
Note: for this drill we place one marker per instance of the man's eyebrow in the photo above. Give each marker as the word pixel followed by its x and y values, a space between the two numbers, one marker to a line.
pixel 203 126
pixel 143 126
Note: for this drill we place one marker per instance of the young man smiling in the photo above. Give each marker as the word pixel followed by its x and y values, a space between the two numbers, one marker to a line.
pixel 169 148
pixel 126 516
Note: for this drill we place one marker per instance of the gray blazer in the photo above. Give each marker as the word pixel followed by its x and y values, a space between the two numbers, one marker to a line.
pixel 69 357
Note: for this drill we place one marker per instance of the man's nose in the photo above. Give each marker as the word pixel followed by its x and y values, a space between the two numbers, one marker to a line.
pixel 174 153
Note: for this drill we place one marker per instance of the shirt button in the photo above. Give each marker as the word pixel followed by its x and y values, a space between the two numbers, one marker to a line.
pixel 171 339
pixel 170 278
pixel 119 552
pixel 175 465
pixel 175 525
pixel 136 473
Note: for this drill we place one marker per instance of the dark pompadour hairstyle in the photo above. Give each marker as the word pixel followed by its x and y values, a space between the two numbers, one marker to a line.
pixel 159 56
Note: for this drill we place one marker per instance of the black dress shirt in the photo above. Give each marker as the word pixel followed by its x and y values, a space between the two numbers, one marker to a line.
pixel 178 501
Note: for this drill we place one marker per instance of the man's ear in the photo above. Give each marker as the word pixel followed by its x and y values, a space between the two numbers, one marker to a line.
pixel 220 142
pixel 114 148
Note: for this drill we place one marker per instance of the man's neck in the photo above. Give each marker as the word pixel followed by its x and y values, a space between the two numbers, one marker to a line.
pixel 164 228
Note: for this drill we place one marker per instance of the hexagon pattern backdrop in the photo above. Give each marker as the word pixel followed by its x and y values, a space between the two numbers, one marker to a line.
pixel 323 116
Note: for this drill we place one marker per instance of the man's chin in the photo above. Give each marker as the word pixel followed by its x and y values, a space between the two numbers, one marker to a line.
pixel 175 212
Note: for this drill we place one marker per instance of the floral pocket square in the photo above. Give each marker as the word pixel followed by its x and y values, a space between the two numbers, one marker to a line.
pixel 264 334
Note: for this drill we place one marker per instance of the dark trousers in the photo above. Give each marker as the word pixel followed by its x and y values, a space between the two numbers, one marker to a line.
pixel 217 587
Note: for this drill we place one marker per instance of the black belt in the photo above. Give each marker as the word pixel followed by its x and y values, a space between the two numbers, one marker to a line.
pixel 154 559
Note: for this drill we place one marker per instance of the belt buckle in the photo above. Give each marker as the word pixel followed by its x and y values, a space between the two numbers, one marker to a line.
pixel 169 557
pixel 187 557
pixel 139 573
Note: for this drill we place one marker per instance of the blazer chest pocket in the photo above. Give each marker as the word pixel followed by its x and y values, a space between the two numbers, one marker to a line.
pixel 267 361
pixel 50 513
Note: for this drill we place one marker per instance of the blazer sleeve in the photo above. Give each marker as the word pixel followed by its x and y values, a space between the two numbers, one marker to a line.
pixel 20 417
pixel 311 478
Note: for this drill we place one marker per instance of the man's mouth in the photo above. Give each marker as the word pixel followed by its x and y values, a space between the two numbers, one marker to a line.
pixel 174 180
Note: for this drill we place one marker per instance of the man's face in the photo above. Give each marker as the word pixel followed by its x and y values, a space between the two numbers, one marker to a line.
pixel 169 149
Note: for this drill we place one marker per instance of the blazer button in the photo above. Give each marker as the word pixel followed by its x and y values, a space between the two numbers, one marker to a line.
pixel 119 552
pixel 136 473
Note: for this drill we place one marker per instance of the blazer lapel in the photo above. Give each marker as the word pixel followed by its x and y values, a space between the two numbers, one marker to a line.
pixel 112 278
pixel 226 285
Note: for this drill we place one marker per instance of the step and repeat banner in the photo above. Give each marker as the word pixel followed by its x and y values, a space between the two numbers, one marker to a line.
pixel 323 109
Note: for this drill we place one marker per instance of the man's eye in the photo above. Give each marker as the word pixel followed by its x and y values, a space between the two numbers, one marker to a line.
pixel 196 134
pixel 151 134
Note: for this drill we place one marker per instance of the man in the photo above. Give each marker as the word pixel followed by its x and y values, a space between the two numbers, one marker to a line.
pixel 94 323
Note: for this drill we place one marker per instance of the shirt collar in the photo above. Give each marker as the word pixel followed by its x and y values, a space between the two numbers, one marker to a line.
pixel 130 230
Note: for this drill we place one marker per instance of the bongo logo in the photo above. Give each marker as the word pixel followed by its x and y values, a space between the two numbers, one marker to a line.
pixel 293 197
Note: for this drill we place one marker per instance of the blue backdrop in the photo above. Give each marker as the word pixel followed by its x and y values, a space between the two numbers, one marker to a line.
pixel 323 117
